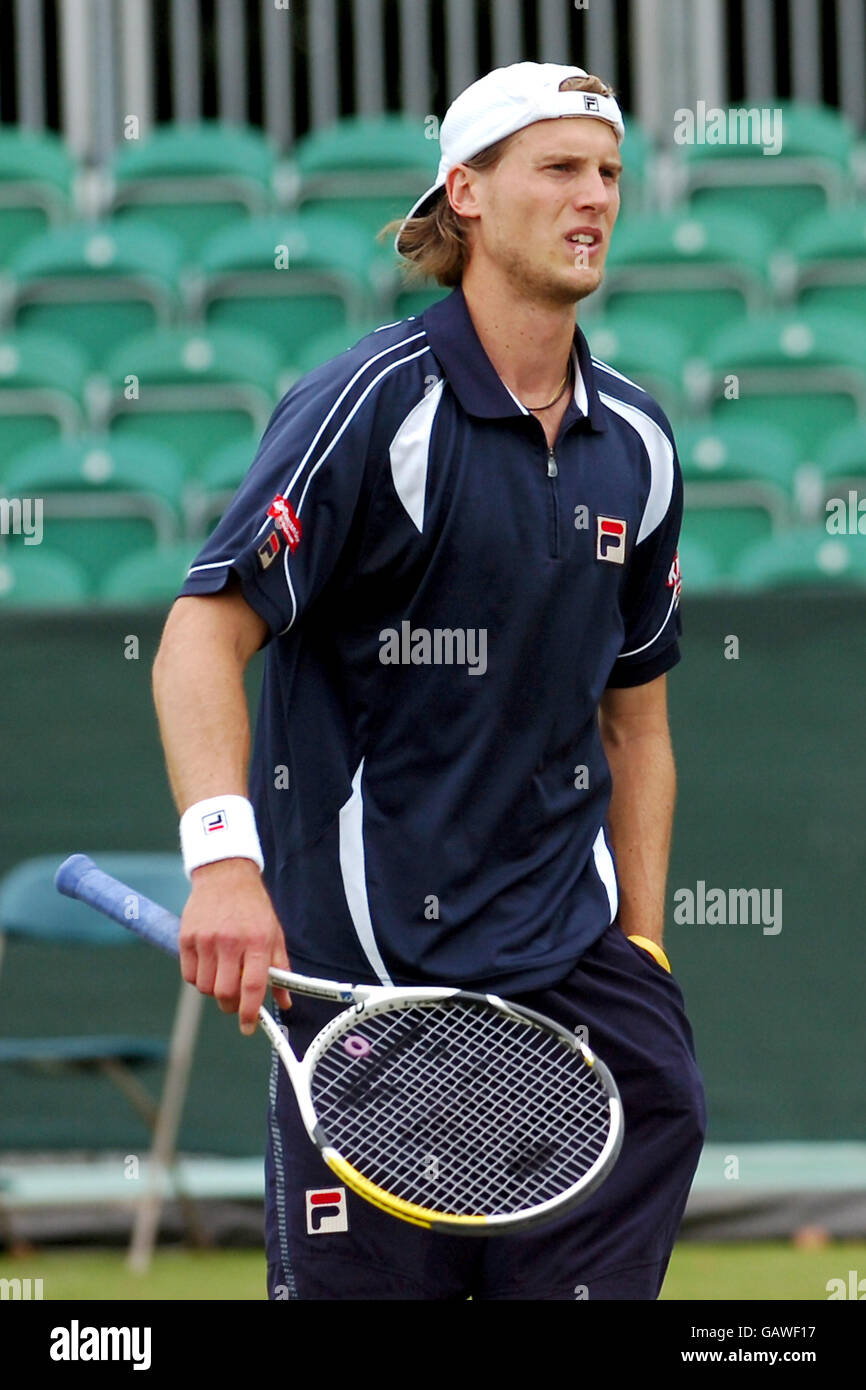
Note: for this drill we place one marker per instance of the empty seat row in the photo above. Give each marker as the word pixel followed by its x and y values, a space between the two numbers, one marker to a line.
pixel 107 498
pixel 802 557
pixel 290 276
pixel 804 372
pixel 196 390
pixel 699 272
pixel 294 273
pixel 195 178
pixel 191 390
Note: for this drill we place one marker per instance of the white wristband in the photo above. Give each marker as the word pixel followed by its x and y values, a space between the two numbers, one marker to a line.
pixel 221 827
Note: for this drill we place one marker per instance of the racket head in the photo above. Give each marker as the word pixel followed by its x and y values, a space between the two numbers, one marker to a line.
pixel 469 1115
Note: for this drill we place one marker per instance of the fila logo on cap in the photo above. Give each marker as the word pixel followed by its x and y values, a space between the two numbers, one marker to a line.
pixel 610 544
pixel 590 102
pixel 326 1211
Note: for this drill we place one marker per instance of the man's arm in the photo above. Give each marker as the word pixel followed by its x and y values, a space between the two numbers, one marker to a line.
pixel 230 934
pixel 636 739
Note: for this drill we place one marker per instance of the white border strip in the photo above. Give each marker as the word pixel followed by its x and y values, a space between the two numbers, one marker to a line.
pixel 353 870
pixel 604 867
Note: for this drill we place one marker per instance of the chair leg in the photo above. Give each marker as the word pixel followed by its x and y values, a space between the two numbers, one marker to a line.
pixel 162 1156
pixel 139 1098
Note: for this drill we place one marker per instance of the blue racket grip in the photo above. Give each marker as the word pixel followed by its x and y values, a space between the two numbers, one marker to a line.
pixel 79 877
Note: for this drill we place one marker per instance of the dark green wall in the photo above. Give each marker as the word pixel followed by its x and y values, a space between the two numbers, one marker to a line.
pixel 772 766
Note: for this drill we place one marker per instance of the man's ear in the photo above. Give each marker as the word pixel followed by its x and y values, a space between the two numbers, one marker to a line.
pixel 460 189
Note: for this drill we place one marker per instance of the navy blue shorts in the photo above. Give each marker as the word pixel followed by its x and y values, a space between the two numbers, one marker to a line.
pixel 324 1242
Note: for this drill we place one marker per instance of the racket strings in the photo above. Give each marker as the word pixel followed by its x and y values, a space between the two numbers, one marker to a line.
pixel 461 1108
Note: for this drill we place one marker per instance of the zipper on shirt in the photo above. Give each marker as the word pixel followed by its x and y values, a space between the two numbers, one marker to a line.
pixel 553 474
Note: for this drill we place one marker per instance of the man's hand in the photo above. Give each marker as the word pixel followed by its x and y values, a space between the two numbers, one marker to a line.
pixel 230 936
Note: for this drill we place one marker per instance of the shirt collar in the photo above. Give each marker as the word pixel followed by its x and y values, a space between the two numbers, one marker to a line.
pixel 473 378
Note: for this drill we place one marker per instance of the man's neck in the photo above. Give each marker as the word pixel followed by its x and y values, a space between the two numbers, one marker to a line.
pixel 529 343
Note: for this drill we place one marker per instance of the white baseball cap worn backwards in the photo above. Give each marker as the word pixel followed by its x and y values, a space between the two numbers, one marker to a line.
pixel 500 104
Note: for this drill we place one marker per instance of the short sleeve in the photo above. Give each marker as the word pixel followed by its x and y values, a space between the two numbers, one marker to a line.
pixel 652 585
pixel 285 529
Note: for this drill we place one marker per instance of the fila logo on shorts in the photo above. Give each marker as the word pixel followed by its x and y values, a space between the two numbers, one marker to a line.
pixel 326 1211
pixel 610 544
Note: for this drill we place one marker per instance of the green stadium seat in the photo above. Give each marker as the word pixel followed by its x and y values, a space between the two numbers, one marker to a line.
pixel 740 485
pixel 102 496
pixel 411 301
pixel 34 577
pixel 729 463
pixel 193 179
pixel 698 567
pixel 401 295
pixel 638 158
pixel 824 264
pixel 324 346
pixel 730 452
pixel 36 183
pixel 44 926
pixel 150 576
pixel 42 390
pixel 31 907
pixel 692 270
pixel 194 389
pixel 377 167
pixel 812 170
pixel 840 467
pixel 805 373
pixel 97 283
pixel 805 558
pixel 653 355
pixel 289 277
pixel 221 476
pixel 727 532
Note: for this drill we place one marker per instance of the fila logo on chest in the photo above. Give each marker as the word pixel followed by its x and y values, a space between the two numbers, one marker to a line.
pixel 610 539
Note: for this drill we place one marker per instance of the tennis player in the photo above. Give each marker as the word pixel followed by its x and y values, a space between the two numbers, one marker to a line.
pixel 458 545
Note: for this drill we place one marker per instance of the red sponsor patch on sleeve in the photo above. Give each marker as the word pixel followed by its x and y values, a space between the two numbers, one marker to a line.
pixel 675 578
pixel 287 520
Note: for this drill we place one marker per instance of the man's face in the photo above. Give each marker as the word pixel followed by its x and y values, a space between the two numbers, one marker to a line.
pixel 543 216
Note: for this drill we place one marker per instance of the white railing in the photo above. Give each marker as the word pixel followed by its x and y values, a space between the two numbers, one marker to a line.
pixel 295 65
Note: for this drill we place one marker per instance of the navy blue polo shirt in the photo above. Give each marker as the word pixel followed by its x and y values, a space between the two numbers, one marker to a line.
pixel 448 601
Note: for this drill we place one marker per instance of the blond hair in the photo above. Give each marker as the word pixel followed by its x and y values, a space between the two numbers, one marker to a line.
pixel 436 245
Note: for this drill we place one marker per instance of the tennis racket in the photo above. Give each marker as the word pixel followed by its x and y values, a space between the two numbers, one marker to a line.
pixel 458 1112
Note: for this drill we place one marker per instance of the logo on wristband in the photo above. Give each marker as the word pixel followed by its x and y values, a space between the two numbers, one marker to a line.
pixel 215 821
